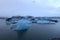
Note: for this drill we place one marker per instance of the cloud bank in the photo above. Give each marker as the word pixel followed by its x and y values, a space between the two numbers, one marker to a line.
pixel 30 7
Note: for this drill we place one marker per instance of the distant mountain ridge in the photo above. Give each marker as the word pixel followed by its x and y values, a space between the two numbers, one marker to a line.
pixel 32 16
pixel 3 17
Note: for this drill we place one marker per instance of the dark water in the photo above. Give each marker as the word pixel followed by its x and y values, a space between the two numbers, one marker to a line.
pixel 35 32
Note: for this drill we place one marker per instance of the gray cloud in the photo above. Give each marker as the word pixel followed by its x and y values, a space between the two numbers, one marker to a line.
pixel 27 7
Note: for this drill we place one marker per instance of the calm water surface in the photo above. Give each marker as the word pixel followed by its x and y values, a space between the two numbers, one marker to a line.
pixel 35 32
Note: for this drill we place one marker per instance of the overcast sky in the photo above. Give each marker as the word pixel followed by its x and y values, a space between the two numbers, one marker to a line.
pixel 30 7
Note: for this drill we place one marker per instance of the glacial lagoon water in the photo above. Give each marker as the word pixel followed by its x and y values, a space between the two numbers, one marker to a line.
pixel 35 32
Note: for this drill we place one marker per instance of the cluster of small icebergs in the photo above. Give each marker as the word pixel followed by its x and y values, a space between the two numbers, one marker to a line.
pixel 37 20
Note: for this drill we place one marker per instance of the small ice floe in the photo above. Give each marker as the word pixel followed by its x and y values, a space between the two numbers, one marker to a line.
pixel 47 21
